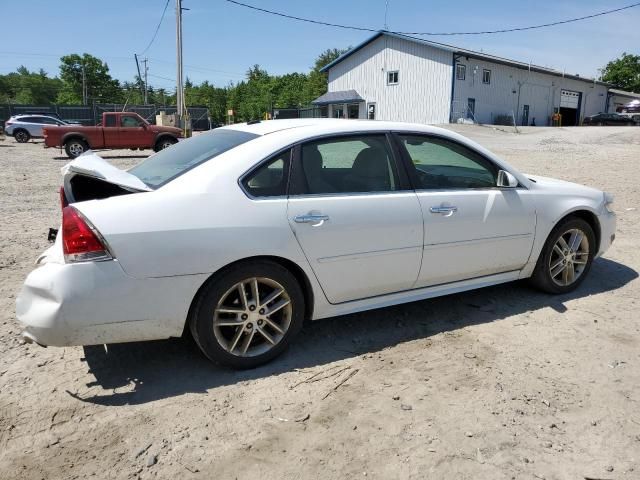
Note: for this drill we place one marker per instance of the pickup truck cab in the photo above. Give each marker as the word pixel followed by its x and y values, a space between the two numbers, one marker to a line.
pixel 117 130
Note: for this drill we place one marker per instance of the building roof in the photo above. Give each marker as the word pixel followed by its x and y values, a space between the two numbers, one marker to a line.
pixel 463 52
pixel 344 96
pixel 622 93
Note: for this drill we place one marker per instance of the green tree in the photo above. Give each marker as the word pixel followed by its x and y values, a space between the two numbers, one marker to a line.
pixel 101 86
pixel 624 72
pixel 23 86
pixel 317 83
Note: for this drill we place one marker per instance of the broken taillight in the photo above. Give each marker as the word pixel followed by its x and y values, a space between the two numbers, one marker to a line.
pixel 81 242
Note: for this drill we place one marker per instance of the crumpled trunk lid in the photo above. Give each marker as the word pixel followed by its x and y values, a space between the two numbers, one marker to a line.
pixel 91 177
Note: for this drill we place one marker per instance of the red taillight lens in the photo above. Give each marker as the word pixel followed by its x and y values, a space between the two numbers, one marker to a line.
pixel 63 199
pixel 80 242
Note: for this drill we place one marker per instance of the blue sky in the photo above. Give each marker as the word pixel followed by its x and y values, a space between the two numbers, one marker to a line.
pixel 222 40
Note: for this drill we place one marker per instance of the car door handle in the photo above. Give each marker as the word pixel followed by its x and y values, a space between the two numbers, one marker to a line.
pixel 446 211
pixel 315 220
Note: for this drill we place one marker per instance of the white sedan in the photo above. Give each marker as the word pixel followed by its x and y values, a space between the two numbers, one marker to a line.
pixel 239 234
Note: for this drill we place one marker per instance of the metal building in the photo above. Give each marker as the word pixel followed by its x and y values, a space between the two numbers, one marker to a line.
pixel 402 78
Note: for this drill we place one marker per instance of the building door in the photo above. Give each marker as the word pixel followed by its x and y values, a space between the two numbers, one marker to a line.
pixel 570 107
pixel 371 111
pixel 525 115
pixel 353 111
pixel 471 108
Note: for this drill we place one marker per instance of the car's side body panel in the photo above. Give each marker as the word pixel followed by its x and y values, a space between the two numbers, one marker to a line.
pixel 168 242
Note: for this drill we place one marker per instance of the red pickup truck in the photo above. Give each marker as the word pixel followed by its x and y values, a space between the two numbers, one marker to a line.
pixel 118 130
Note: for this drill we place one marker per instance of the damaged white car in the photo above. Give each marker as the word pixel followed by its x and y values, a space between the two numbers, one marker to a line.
pixel 239 234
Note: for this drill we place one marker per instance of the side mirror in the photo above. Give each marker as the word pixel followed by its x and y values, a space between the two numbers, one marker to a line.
pixel 506 180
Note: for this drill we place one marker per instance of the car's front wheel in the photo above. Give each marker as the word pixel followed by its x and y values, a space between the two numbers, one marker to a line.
pixel 248 314
pixel 566 257
pixel 164 142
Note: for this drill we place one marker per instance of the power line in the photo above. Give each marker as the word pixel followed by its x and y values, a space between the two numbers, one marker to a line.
pixel 486 32
pixel 157 28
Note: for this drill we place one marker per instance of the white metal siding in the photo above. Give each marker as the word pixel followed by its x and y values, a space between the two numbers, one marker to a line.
pixel 538 90
pixel 423 92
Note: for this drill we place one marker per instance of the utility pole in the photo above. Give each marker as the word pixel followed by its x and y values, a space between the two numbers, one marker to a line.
pixel 142 90
pixel 84 87
pixel 179 87
pixel 146 84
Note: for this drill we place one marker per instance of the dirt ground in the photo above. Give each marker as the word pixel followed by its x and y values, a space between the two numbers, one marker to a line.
pixel 499 383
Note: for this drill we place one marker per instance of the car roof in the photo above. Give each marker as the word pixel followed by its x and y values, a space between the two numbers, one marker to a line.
pixel 331 125
pixel 22 115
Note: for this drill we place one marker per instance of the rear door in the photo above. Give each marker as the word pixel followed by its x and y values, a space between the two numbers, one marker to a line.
pixel 355 216
pixel 471 227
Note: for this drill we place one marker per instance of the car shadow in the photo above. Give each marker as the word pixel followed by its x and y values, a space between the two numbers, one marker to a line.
pixel 148 371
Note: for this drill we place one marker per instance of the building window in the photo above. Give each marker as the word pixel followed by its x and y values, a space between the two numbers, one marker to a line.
pixel 371 111
pixel 392 78
pixel 461 71
pixel 486 76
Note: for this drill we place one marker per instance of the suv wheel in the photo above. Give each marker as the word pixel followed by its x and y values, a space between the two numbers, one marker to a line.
pixel 21 135
pixel 164 142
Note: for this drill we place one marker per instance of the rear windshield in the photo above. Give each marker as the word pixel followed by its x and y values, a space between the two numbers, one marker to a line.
pixel 172 162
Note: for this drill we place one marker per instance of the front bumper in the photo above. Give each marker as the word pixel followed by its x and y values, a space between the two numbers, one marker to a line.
pixel 97 302
pixel 607 231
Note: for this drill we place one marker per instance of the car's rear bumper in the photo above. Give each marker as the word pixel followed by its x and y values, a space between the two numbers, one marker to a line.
pixel 97 302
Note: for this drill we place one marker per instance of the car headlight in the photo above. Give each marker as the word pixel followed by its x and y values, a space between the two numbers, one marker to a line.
pixel 608 202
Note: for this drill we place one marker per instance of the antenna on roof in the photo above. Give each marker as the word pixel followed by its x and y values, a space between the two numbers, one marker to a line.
pixel 386 11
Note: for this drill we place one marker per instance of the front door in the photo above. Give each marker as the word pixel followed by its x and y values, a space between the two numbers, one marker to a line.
pixel 472 228
pixel 471 108
pixel 355 218
pixel 133 132
pixel 525 115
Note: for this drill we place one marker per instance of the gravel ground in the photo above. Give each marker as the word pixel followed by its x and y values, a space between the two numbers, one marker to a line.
pixel 500 383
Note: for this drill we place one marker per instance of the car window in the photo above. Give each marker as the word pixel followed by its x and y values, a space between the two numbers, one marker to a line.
pixel 348 165
pixel 48 121
pixel 129 121
pixel 172 162
pixel 110 121
pixel 445 164
pixel 27 120
pixel 270 179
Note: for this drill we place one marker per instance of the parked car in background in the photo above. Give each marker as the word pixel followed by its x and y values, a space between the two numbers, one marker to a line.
pixel 241 233
pixel 631 110
pixel 608 119
pixel 117 130
pixel 25 127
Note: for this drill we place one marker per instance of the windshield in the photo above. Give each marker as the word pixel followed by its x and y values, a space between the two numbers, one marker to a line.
pixel 172 162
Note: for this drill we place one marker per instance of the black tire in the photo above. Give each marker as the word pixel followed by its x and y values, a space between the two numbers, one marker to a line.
pixel 164 142
pixel 75 147
pixel 224 285
pixel 542 277
pixel 21 135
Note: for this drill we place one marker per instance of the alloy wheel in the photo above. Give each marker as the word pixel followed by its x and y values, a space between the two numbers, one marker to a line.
pixel 21 137
pixel 569 257
pixel 252 317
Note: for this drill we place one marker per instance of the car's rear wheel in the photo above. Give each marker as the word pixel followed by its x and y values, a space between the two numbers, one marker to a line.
pixel 248 314
pixel 164 142
pixel 21 135
pixel 75 147
pixel 566 257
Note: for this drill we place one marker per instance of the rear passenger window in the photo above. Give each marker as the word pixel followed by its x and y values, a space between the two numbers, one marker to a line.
pixel 110 121
pixel 348 165
pixel 270 179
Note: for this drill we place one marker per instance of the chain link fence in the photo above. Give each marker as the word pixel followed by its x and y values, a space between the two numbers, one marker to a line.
pixel 92 114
